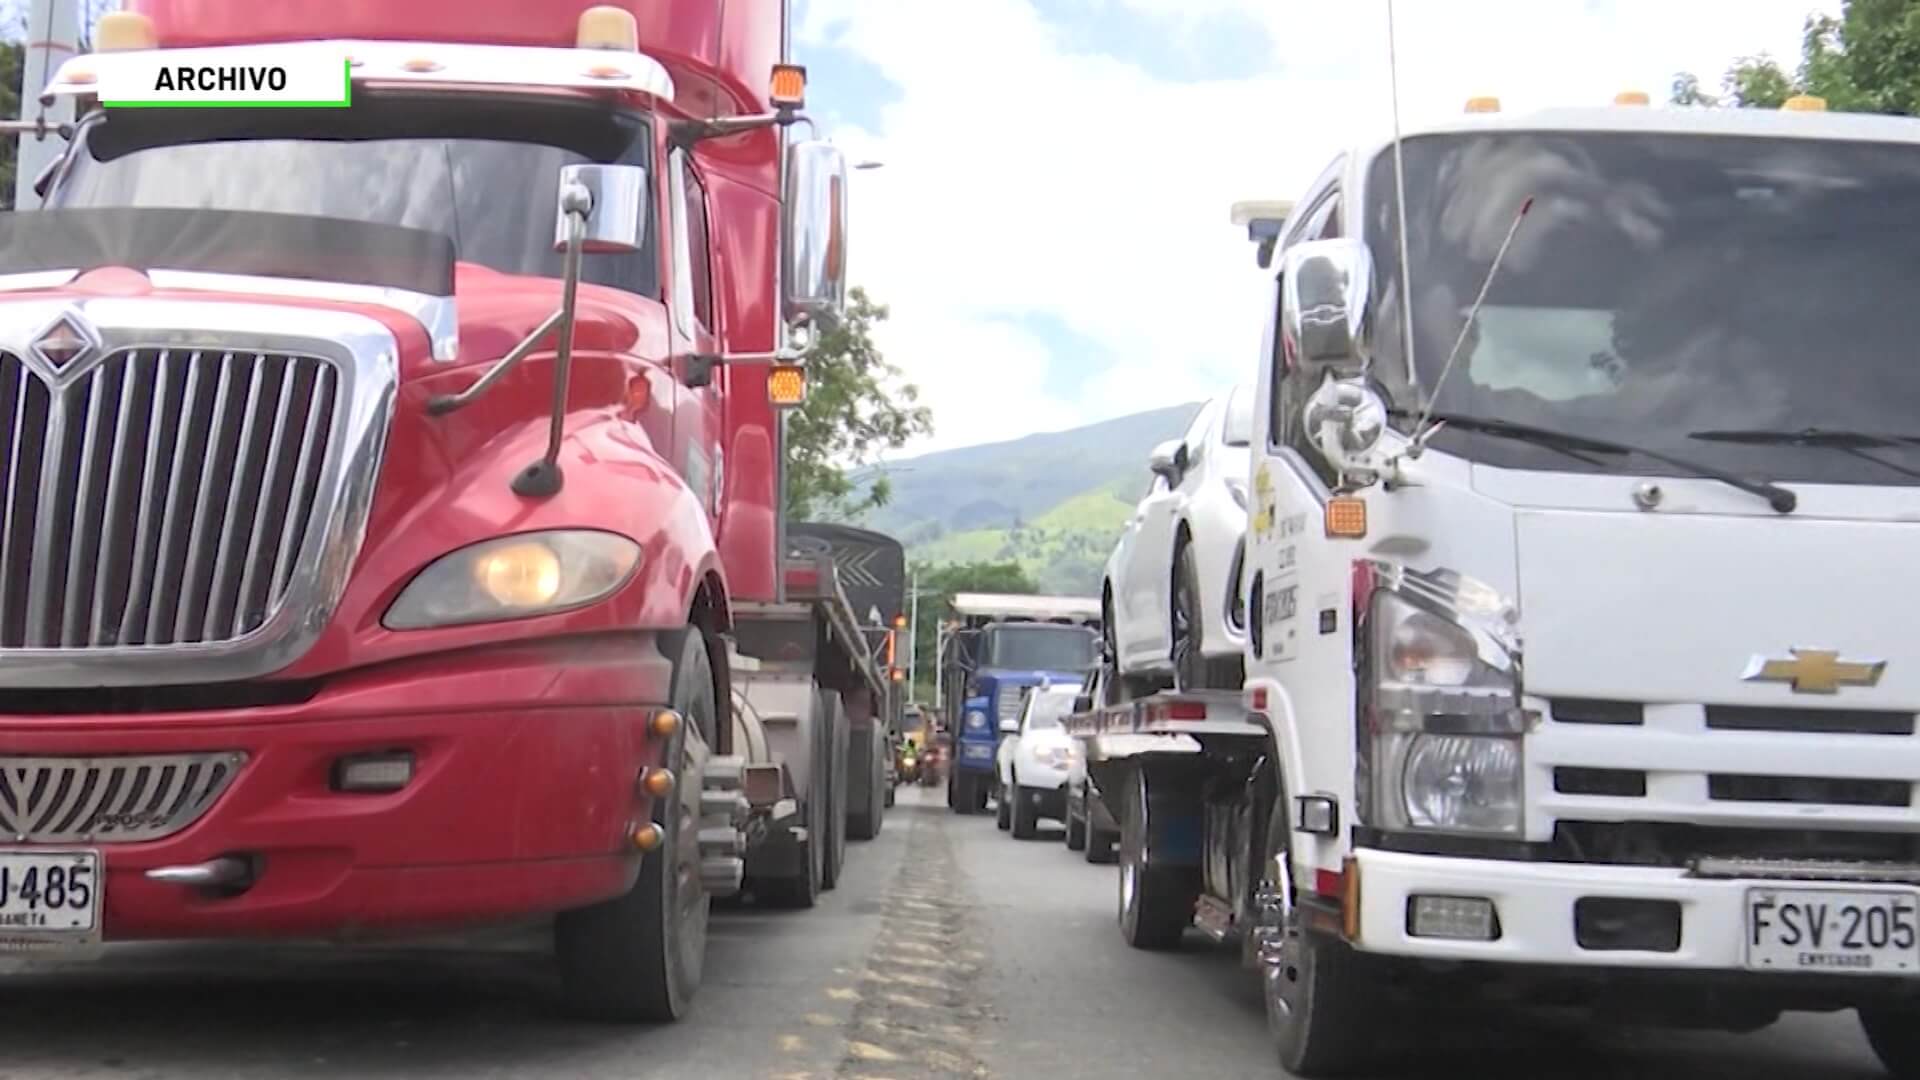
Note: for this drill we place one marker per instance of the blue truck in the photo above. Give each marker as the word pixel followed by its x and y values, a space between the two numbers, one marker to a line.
pixel 996 648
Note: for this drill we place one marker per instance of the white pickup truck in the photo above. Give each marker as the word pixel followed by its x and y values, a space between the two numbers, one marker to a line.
pixel 1582 585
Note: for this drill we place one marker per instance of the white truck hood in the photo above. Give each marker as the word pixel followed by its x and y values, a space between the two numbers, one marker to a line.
pixel 1678 607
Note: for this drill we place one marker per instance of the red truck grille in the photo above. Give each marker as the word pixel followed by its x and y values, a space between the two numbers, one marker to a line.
pixel 112 799
pixel 160 497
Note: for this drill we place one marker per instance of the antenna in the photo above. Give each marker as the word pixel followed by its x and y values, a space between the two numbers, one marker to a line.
pixel 1400 205
pixel 1486 284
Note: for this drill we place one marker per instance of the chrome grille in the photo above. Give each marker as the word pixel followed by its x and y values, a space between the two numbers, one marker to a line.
pixel 46 800
pixel 159 498
pixel 1007 703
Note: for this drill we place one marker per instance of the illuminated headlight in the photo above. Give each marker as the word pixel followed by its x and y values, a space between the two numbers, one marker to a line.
pixel 514 577
pixel 1443 711
pixel 976 720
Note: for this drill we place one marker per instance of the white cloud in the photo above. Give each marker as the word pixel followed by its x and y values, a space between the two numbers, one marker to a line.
pixel 1028 176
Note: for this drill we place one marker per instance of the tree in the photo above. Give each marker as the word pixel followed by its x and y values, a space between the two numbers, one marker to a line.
pixel 12 69
pixel 937 585
pixel 1867 59
pixel 857 407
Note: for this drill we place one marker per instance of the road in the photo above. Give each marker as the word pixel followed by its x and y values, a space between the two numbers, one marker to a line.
pixel 949 950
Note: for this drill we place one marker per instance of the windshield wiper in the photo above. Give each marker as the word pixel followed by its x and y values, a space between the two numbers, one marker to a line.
pixel 1855 443
pixel 1782 500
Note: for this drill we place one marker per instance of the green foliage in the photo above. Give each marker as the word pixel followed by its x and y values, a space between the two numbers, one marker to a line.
pixel 1867 59
pixel 856 408
pixel 12 68
pixel 937 585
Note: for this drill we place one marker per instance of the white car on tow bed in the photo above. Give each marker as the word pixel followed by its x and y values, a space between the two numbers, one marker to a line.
pixel 1035 756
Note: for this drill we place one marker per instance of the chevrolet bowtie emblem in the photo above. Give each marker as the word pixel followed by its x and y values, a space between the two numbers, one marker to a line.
pixel 1815 671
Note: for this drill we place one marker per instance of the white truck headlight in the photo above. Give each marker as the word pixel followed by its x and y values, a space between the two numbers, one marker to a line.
pixel 513 577
pixel 1462 783
pixel 1441 746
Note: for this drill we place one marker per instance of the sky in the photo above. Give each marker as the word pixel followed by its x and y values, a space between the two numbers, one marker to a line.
pixel 1050 221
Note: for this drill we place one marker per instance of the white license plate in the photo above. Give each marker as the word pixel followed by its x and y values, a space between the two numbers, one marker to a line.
pixel 1833 931
pixel 49 899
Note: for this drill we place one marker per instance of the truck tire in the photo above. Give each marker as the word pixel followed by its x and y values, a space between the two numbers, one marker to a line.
pixel 1156 902
pixel 1077 826
pixel 1894 1035
pixel 1026 812
pixel 839 738
pixel 639 956
pixel 863 821
pixel 1318 999
pixel 802 889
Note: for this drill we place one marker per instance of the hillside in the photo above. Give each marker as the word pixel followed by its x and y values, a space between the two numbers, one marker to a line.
pixel 1053 501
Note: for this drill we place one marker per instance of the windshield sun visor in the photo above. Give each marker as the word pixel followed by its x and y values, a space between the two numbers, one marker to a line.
pixel 229 242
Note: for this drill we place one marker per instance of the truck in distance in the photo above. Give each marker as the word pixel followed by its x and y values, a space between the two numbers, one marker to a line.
pixel 999 646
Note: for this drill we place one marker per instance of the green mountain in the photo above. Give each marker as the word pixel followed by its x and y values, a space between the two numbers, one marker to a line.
pixel 1053 501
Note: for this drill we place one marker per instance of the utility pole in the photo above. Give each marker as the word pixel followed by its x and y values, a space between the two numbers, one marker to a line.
pixel 53 35
pixel 913 631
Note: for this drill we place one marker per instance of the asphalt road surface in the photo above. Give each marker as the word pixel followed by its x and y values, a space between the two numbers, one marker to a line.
pixel 949 950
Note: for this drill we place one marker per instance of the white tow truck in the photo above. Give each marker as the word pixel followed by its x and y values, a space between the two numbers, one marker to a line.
pixel 1581 576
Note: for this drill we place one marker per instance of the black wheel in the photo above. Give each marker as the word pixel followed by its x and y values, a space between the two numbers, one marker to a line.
pixel 865 822
pixel 838 738
pixel 1077 825
pixel 1113 687
pixel 1002 810
pixel 1319 1009
pixel 1156 902
pixel 1026 812
pixel 639 956
pixel 1894 1035
pixel 802 889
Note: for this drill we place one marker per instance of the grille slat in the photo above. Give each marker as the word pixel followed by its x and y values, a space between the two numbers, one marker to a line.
pixel 109 800
pixel 75 610
pixel 160 497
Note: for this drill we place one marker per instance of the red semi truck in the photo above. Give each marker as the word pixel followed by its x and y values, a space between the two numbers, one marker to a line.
pixel 390 533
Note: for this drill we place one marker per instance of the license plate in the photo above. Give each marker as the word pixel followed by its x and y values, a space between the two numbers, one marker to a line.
pixel 49 899
pixel 1833 931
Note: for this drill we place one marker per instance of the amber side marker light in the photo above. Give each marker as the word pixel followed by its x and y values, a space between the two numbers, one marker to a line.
pixel 124 31
pixel 648 836
pixel 1346 517
pixel 787 385
pixel 665 722
pixel 789 87
pixel 658 782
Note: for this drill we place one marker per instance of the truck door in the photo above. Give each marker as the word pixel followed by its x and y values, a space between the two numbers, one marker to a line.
pixel 698 423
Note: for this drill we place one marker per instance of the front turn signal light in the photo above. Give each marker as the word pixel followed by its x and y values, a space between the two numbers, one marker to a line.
pixel 789 87
pixel 1346 517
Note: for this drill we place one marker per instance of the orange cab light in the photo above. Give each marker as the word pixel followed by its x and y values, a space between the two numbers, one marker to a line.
pixel 606 71
pixel 648 836
pixel 82 77
pixel 1632 97
pixel 1483 105
pixel 789 89
pixel 120 31
pixel 607 27
pixel 658 782
pixel 1346 517
pixel 421 65
pixel 786 385
pixel 1804 103
pixel 665 722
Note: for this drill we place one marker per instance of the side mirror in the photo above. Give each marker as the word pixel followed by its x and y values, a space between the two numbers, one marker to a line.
pixel 1324 289
pixel 615 204
pixel 1009 727
pixel 1345 418
pixel 815 256
pixel 1169 459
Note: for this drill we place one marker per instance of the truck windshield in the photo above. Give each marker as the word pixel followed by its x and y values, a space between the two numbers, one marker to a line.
pixel 1040 648
pixel 484 174
pixel 1661 285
